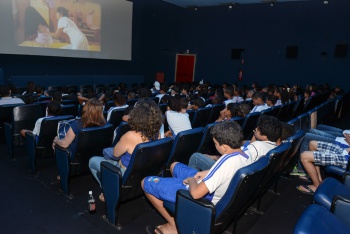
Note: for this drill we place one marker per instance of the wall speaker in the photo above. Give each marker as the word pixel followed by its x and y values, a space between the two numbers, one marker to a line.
pixel 236 53
pixel 341 50
pixel 292 52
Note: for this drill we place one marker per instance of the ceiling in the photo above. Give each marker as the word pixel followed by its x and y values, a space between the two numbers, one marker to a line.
pixel 203 3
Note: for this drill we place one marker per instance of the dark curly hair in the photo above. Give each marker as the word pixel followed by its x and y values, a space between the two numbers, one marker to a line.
pixel 229 133
pixel 174 104
pixel 146 118
pixel 270 127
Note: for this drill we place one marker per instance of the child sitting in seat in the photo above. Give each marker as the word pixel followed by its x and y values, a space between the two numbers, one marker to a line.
pixel 211 184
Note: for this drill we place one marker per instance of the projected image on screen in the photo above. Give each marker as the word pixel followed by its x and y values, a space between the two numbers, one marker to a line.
pixel 61 24
pixel 99 29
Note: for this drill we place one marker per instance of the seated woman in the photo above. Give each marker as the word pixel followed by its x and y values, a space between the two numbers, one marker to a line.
pixel 231 110
pixel 92 116
pixel 177 121
pixel 145 121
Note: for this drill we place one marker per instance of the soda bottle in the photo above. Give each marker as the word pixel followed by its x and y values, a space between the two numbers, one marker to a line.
pixel 92 204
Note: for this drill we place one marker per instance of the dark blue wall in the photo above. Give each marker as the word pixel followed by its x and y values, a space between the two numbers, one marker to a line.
pixel 160 30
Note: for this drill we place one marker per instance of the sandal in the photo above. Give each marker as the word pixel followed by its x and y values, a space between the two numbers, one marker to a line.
pixel 150 229
pixel 101 197
pixel 306 187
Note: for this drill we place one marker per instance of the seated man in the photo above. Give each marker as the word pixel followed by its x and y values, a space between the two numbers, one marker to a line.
pixel 258 101
pixel 119 103
pixel 53 109
pixel 6 99
pixel 265 138
pixel 211 184
pixel 322 154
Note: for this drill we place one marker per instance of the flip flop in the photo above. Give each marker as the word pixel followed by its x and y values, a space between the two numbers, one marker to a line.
pixel 309 190
pixel 150 229
pixel 305 178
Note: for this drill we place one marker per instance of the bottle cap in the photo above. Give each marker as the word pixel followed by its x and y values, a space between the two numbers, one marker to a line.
pixel 90 192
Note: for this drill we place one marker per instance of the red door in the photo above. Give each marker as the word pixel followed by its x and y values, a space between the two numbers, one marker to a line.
pixel 184 69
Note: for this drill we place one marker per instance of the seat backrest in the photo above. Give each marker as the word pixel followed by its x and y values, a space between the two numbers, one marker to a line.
pixel 292 156
pixel 108 105
pixel 131 102
pixel 207 145
pixel 185 144
pixel 276 155
pixel 147 159
pixel 215 112
pixel 24 117
pixel 191 114
pixel 239 194
pixel 69 109
pixel 116 117
pixel 305 121
pixel 249 124
pixel 201 117
pixel 298 107
pixel 268 111
pixel 41 99
pixel 48 130
pixel 283 111
pixel 91 142
pixel 295 123
pixel 6 112
pixel 155 99
pixel 122 129
pixel 43 106
pixel 238 119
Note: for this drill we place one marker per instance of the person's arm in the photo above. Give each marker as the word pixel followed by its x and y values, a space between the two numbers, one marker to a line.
pixel 58 32
pixel 123 144
pixel 347 138
pixel 214 157
pixel 67 140
pixel 197 190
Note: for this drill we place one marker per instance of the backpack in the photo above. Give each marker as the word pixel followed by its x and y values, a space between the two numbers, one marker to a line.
pixel 63 127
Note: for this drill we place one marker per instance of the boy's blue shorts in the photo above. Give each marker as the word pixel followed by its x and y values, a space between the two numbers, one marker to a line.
pixel 165 188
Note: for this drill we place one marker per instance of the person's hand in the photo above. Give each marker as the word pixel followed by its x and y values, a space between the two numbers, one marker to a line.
pixel 199 176
pixel 347 137
pixel 214 157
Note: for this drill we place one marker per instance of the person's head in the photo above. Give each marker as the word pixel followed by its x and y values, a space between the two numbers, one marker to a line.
pixel 53 108
pixel 268 128
pixel 183 103
pixel 57 96
pixel 231 110
pixel 227 134
pixel 146 118
pixel 258 98
pixel 245 108
pixel 237 92
pixel 5 91
pixel 216 100
pixel 287 131
pixel 39 90
pixel 307 94
pixel 175 90
pixel 174 104
pixel 30 87
pixel 197 103
pixel 144 93
pixel 119 99
pixel 62 12
pixel 228 92
pixel 92 113
pixel 271 100
pixel 163 88
pixel 131 95
pixel 250 93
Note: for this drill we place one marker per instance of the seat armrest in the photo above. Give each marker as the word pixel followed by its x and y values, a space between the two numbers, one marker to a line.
pixel 346 179
pixel 194 215
pixel 31 151
pixel 341 208
pixel 111 182
pixel 62 156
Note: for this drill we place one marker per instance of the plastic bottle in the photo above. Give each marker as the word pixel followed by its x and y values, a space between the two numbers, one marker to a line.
pixel 92 204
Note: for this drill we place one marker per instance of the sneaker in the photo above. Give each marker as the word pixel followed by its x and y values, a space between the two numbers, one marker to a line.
pixel 297 172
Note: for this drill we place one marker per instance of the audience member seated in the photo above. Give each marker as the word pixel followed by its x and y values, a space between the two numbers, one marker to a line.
pixel 307 95
pixel 57 96
pixel 271 100
pixel 184 104
pixel 245 108
pixel 144 93
pixel 119 102
pixel 6 98
pixel 131 95
pixel 282 95
pixel 258 101
pixel 237 95
pixel 89 95
pixel 210 184
pixel 92 116
pixel 177 120
pixel 228 94
pixel 249 95
pixel 30 88
pixel 163 91
pixel 39 92
pixel 266 136
pixel 196 104
pixel 53 109
pixel 156 88
pixel 322 154
pixel 231 110
pixel 145 120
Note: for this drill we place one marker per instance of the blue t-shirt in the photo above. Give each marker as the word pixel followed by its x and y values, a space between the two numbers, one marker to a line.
pixel 76 127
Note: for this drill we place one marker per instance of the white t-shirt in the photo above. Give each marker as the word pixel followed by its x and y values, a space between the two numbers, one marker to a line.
pixel 114 108
pixel 77 39
pixel 221 173
pixel 237 99
pixel 257 149
pixel 36 130
pixel 259 108
pixel 10 100
pixel 228 101
pixel 177 121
